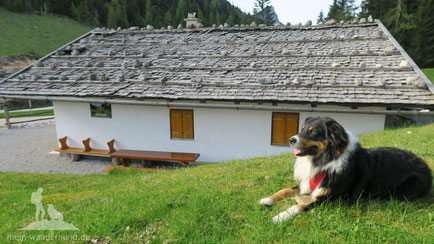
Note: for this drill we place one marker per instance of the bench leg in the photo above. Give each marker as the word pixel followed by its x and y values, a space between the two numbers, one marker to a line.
pixel 146 164
pixel 75 157
pixel 64 154
pixel 126 162
pixel 116 161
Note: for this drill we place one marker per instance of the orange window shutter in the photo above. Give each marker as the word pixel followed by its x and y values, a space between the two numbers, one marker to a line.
pixel 278 128
pixel 187 124
pixel 291 126
pixel 175 123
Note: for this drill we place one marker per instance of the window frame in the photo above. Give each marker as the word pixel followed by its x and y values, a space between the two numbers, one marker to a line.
pixel 285 130
pixel 104 106
pixel 182 127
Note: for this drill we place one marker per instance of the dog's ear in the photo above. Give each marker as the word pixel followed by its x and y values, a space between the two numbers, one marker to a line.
pixel 336 135
pixel 307 119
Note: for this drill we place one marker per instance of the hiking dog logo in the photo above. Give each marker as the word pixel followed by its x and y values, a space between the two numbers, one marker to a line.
pixel 56 218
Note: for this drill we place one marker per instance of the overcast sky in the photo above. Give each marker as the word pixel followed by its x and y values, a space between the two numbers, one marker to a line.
pixel 292 11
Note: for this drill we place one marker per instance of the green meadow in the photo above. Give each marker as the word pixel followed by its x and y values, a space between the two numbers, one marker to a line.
pixel 25 34
pixel 215 203
pixel 429 73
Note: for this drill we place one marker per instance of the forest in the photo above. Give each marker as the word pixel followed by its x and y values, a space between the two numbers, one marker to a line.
pixel 114 13
pixel 411 22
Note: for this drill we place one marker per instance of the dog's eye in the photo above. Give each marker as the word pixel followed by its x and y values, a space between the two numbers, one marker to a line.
pixel 311 130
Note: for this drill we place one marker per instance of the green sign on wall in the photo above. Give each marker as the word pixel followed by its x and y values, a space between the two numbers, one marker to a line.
pixel 100 110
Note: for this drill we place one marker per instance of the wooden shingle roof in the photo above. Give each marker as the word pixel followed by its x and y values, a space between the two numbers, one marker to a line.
pixel 345 63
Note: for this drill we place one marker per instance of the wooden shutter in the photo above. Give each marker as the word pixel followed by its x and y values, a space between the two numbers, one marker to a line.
pixel 181 124
pixel 291 126
pixel 284 126
pixel 175 123
pixel 187 124
pixel 278 135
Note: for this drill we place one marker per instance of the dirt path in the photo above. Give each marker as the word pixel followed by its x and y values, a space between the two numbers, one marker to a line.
pixel 28 150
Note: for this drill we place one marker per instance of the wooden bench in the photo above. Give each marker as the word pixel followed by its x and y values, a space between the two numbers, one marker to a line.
pixel 126 155
pixel 87 150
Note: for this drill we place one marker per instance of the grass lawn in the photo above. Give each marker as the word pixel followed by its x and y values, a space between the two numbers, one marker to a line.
pixel 46 112
pixel 35 35
pixel 429 73
pixel 215 204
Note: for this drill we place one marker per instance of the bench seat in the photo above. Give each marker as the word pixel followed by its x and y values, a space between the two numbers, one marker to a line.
pixel 124 155
pixel 183 158
pixel 77 150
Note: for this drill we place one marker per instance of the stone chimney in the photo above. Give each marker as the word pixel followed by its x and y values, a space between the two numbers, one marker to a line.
pixel 192 21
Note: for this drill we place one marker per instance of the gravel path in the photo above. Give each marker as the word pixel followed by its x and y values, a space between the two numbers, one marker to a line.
pixel 28 150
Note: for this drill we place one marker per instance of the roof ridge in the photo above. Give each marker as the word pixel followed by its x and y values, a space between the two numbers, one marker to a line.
pixel 237 29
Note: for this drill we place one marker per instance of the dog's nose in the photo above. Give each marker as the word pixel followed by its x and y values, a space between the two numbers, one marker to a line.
pixel 293 140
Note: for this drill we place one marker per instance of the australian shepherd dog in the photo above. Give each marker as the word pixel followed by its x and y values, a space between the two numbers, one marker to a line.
pixel 331 164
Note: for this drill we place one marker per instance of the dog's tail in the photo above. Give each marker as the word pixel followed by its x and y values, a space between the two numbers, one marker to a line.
pixel 417 184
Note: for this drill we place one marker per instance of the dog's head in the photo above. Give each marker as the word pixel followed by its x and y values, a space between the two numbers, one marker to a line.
pixel 320 136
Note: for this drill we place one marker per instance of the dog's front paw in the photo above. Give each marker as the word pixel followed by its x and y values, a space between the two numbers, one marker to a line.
pixel 286 215
pixel 266 201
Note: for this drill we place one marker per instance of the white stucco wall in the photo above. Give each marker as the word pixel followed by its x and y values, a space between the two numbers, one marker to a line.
pixel 220 134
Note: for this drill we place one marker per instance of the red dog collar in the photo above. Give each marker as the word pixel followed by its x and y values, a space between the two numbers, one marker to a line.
pixel 313 184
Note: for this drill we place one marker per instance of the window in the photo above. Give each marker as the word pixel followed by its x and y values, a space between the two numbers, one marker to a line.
pixel 284 126
pixel 100 110
pixel 181 124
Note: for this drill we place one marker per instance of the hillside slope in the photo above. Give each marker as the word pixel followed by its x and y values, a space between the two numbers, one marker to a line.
pixel 35 35
pixel 127 13
pixel 216 204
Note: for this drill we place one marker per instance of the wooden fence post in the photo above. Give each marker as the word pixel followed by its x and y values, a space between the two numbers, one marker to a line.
pixel 30 106
pixel 6 112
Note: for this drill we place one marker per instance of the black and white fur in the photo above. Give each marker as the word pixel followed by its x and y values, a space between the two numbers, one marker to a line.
pixel 352 172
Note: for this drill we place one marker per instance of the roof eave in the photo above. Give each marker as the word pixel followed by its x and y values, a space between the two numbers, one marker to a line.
pixel 229 106
pixel 144 101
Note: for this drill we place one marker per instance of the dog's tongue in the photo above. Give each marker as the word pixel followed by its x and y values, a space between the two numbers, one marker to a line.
pixel 296 151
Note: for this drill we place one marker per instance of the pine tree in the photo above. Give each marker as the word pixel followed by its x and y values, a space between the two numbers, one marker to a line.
pixel 320 19
pixel 111 17
pixel 202 17
pixel 364 10
pixel 333 10
pixel 94 20
pixel 399 17
pixel 377 8
pixel 122 15
pixel 341 10
pixel 74 10
pixel 218 19
pixel 262 11
pixel 231 20
pixel 167 19
pixel 148 13
pixel 83 12
pixel 211 20
pixel 423 37
pixel 181 11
